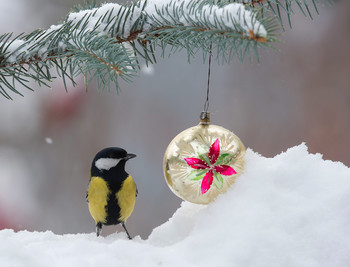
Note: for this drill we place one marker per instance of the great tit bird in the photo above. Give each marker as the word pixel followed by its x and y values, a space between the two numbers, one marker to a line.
pixel 112 191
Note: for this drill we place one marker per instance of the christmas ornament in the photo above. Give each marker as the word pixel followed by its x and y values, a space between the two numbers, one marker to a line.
pixel 203 161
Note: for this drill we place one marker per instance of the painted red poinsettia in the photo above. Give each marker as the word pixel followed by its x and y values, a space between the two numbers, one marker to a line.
pixel 210 167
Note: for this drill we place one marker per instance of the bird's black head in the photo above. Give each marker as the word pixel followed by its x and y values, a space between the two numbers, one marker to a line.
pixel 109 158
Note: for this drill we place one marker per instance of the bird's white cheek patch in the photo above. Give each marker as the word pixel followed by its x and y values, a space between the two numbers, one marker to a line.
pixel 106 163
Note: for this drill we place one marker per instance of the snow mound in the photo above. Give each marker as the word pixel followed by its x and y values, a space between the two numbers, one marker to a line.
pixel 290 210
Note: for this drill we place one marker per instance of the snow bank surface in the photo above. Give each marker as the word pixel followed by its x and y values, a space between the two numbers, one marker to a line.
pixel 290 210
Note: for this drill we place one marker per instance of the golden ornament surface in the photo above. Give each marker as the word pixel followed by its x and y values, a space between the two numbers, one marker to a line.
pixel 203 161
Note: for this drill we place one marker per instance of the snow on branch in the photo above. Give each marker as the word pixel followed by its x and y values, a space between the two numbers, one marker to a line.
pixel 146 15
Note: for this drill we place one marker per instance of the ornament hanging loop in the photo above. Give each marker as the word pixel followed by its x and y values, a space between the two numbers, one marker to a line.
pixel 206 104
pixel 205 115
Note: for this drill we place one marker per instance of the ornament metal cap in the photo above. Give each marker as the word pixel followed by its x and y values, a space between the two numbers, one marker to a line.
pixel 205 117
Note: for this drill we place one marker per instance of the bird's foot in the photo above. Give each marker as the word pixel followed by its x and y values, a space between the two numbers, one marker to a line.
pixel 98 229
pixel 123 224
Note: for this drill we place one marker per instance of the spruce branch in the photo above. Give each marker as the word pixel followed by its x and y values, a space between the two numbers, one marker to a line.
pixel 105 42
pixel 277 7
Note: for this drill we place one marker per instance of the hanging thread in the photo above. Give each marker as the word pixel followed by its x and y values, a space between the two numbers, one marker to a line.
pixel 206 104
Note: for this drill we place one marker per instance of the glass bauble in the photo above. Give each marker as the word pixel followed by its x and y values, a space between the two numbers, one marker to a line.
pixel 203 161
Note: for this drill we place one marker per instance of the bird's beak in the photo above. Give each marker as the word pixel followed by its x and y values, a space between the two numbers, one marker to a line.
pixel 129 156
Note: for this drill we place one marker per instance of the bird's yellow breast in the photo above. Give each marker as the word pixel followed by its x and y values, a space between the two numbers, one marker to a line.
pixel 126 198
pixel 98 197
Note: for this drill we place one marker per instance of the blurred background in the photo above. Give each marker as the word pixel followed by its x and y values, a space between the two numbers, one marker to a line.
pixel 48 139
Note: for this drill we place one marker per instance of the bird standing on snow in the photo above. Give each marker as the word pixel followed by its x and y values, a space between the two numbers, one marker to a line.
pixel 112 191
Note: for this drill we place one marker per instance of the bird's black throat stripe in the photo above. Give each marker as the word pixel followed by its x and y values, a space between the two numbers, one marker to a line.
pixel 114 178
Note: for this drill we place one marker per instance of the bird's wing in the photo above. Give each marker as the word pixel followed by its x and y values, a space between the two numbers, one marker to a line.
pixel 87 194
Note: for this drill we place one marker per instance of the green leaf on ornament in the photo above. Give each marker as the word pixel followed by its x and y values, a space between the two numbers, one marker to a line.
pixel 197 174
pixel 218 180
pixel 205 158
pixel 224 159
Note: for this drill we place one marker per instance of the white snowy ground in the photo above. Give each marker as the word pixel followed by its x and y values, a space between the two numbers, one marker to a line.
pixel 290 210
